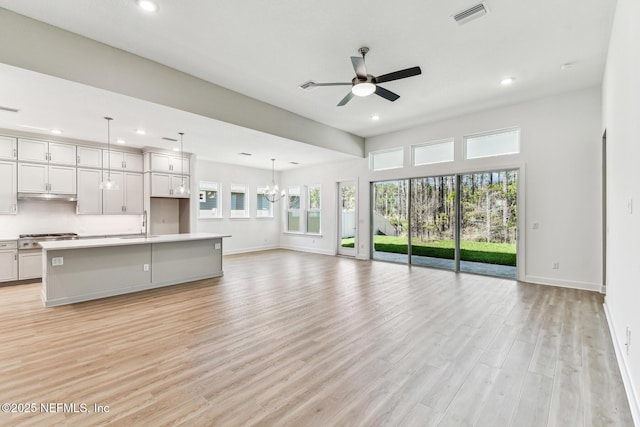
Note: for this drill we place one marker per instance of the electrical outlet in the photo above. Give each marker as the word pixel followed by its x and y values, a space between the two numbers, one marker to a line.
pixel 57 261
pixel 535 225
pixel 145 267
pixel 217 246
pixel 555 265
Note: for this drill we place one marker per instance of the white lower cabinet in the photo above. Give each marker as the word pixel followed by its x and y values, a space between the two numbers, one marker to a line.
pixel 38 178
pixel 30 264
pixel 8 261
pixel 164 185
pixel 127 199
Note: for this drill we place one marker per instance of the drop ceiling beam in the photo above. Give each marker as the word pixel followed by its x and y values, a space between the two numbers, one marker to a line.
pixel 36 46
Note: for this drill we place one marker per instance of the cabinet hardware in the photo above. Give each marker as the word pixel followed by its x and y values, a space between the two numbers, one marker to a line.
pixel 122 164
pixel 15 153
pixel 15 257
pixel 78 160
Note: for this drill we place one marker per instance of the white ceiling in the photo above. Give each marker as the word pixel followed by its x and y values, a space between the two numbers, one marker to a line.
pixel 266 49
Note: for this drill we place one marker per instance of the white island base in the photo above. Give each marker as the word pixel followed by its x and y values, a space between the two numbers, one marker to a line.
pixel 81 270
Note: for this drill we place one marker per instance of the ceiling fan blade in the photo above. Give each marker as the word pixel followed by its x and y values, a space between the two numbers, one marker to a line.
pixel 346 99
pixel 359 67
pixel 386 94
pixel 332 84
pixel 397 75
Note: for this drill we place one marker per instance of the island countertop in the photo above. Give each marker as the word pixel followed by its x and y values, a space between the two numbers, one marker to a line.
pixel 127 240
pixel 86 269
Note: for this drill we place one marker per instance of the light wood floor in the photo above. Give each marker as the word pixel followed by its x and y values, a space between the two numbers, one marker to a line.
pixel 288 338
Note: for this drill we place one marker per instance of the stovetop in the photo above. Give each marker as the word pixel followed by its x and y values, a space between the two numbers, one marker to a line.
pixel 30 241
pixel 46 235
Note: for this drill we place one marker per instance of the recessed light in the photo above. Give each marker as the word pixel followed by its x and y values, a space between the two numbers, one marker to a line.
pixel 176 148
pixel 120 141
pixel 567 66
pixel 140 131
pixel 148 5
pixel 507 81
pixel 56 131
pixel 375 117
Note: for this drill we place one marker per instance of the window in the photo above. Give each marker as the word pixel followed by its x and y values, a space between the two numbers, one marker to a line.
pixel 239 201
pixel 492 144
pixel 388 159
pixel 432 152
pixel 293 210
pixel 209 200
pixel 264 209
pixel 313 209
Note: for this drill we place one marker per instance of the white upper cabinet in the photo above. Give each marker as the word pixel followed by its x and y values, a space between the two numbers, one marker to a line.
pixel 119 160
pixel 8 148
pixel 62 154
pixel 127 199
pixel 8 188
pixel 89 193
pixel 40 178
pixel 160 162
pixel 89 157
pixel 31 150
pixel 165 185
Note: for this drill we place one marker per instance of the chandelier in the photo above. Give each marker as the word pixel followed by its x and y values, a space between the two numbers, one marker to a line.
pixel 108 184
pixel 271 192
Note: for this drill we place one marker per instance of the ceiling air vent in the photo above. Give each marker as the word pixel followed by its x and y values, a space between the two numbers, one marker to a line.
pixel 11 110
pixel 245 154
pixel 169 139
pixel 308 85
pixel 470 14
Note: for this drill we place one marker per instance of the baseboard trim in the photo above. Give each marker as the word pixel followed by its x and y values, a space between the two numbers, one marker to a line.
pixel 247 250
pixel 595 287
pixel 632 396
pixel 310 250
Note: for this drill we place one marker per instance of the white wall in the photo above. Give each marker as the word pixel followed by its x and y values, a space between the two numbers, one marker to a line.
pixel 621 119
pixel 54 216
pixel 560 169
pixel 327 176
pixel 247 234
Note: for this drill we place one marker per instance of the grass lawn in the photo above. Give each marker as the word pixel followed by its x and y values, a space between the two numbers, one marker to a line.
pixel 490 253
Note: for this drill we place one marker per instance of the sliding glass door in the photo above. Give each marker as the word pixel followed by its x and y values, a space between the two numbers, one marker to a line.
pixel 390 220
pixel 433 221
pixel 423 221
pixel 488 223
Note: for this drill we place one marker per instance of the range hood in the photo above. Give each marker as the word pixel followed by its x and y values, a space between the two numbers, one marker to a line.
pixel 48 196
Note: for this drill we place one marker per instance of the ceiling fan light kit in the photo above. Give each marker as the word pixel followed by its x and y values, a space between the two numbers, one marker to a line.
pixel 364 84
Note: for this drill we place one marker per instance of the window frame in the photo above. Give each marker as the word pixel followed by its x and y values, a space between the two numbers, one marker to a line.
pixel 234 213
pixel 465 138
pixel 309 209
pixel 450 140
pixel 204 186
pixel 288 210
pixel 372 155
pixel 260 193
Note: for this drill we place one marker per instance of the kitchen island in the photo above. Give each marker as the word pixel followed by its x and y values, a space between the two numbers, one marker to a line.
pixel 86 269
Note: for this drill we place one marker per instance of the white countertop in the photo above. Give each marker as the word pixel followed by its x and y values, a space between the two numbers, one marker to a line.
pixel 125 241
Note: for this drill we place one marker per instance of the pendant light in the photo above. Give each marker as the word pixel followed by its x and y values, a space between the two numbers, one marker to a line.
pixel 108 184
pixel 182 189
pixel 272 193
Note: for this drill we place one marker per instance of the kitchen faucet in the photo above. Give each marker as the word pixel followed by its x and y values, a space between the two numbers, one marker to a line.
pixel 145 223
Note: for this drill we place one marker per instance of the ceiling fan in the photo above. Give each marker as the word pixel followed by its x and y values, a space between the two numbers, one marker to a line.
pixel 364 84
